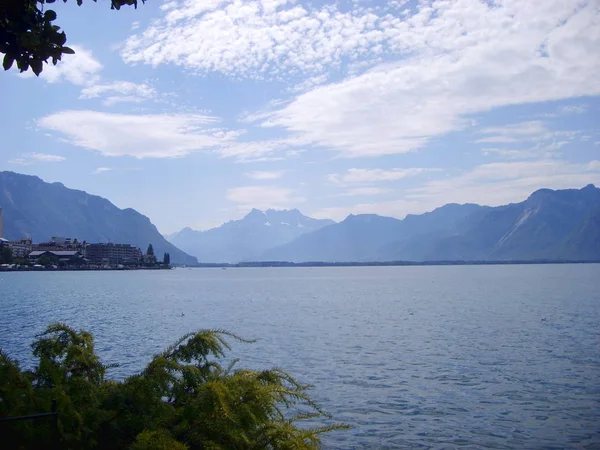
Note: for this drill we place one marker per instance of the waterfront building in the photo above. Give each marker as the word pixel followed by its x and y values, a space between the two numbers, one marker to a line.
pixel 112 253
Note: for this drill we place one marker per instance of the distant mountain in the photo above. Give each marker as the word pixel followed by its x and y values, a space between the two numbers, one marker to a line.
pixel 40 210
pixel 584 240
pixel 246 239
pixel 368 237
pixel 563 224
pixel 550 224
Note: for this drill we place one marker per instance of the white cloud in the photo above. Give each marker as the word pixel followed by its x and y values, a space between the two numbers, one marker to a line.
pixel 126 90
pixel 309 83
pixel 255 151
pixel 256 38
pixel 504 182
pixel 263 197
pixel 263 113
pixel 160 135
pixel 364 191
pixel 532 131
pixel 514 132
pixel 536 152
pixel 540 142
pixel 294 153
pixel 100 170
pixel 567 110
pixel 27 159
pixel 265 175
pixel 116 99
pixel 573 109
pixel 251 151
pixel 139 136
pixel 488 184
pixel 375 175
pixel 80 69
pixel 42 157
pixel 20 161
pixel 463 57
pixel 261 159
pixel 398 3
pixel 518 129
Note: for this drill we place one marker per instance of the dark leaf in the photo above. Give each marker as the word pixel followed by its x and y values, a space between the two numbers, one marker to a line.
pixel 50 1
pixel 8 61
pixel 23 65
pixel 36 66
pixel 50 15
pixel 58 39
pixel 56 56
pixel 68 51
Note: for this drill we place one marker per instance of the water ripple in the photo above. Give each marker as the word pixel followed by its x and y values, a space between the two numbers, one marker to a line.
pixel 410 357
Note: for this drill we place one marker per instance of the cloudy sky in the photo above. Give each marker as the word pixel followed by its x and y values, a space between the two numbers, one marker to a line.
pixel 194 111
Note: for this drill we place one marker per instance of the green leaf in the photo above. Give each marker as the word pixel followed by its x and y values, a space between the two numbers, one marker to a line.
pixel 8 61
pixel 50 15
pixel 68 51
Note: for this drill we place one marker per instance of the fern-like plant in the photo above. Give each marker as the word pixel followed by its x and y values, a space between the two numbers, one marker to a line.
pixel 183 399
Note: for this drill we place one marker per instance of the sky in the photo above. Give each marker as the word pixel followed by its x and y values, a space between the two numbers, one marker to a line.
pixel 195 111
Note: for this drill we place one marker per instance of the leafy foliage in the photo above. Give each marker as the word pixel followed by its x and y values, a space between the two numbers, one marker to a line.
pixel 183 399
pixel 6 255
pixel 47 260
pixel 29 37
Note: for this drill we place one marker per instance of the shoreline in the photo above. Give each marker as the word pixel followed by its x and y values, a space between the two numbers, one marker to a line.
pixel 317 264
pixel 381 264
pixel 83 269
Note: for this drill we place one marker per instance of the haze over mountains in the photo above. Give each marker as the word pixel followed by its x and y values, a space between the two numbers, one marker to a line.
pixel 40 210
pixel 557 225
pixel 247 239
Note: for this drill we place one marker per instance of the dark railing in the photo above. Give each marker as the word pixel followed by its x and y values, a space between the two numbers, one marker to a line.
pixel 53 415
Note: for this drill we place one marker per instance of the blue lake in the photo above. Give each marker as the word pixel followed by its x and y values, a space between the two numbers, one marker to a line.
pixel 410 357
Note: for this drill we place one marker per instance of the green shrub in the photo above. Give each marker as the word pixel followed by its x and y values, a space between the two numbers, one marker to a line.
pixel 183 399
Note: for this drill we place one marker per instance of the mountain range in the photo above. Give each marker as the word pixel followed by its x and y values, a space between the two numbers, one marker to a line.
pixel 39 210
pixel 551 225
pixel 247 239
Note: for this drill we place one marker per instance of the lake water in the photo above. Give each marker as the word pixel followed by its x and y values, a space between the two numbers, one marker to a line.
pixel 410 357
